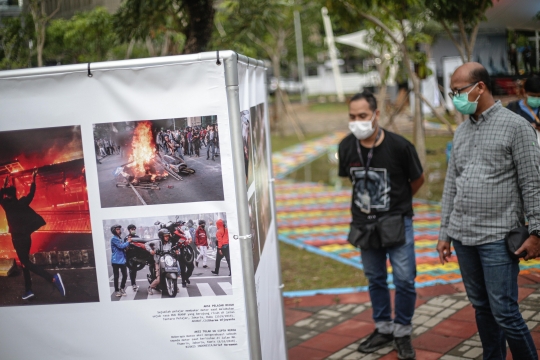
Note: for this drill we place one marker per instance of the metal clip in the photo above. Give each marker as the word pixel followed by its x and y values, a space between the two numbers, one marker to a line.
pixel 218 62
pixel 281 286
pixel 242 237
pixel 89 72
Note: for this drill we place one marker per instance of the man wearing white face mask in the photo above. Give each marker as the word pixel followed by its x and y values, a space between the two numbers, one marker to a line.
pixel 529 107
pixel 492 183
pixel 386 172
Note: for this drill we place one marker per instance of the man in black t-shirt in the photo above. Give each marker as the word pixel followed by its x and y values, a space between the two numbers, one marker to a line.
pixel 394 174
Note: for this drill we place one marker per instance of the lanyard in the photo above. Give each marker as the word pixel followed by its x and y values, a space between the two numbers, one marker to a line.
pixel 369 157
pixel 535 116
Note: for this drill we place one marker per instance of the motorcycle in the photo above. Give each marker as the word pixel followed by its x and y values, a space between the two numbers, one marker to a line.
pixel 168 271
pixel 137 257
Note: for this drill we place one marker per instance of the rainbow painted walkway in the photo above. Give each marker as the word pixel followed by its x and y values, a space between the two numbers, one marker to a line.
pixel 316 217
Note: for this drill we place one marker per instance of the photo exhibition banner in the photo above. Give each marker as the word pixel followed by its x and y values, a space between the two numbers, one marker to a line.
pixel 118 214
pixel 258 169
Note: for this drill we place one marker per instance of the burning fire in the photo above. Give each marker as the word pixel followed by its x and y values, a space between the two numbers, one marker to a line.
pixel 142 148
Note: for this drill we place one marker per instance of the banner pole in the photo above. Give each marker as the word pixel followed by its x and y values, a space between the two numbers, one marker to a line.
pixel 244 236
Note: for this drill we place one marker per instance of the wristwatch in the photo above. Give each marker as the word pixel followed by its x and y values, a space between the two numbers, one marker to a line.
pixel 535 233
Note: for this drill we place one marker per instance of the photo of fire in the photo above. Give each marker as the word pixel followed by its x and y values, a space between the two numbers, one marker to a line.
pixel 163 161
pixel 45 232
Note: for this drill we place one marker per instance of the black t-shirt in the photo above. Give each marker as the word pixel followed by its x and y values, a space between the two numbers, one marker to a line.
pixel 394 165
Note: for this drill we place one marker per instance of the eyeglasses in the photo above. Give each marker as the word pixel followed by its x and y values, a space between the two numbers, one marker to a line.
pixel 458 91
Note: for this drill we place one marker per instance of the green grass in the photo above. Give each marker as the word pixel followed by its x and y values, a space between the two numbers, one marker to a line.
pixel 281 142
pixel 303 270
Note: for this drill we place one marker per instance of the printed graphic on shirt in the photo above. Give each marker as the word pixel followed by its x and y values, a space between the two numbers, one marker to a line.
pixel 378 187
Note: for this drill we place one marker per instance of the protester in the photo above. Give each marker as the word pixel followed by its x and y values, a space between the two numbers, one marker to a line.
pixel 386 172
pixel 492 181
pixel 182 236
pixel 22 222
pixel 118 259
pixel 155 246
pixel 223 246
pixel 212 230
pixel 201 238
pixel 212 141
pixel 132 234
pixel 529 107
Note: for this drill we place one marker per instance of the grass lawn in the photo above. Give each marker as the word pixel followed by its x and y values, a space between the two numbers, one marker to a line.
pixel 303 270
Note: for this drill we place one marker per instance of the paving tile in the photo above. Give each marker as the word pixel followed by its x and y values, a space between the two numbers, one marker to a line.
pixel 419 330
pixel 302 353
pixel 532 324
pixel 460 304
pixel 433 321
pixel 360 356
pixel 292 316
pixel 473 353
pixel 329 313
pixel 522 280
pixel 432 291
pixel 442 301
pixel 345 307
pixel 353 328
pixel 466 314
pixel 459 329
pixel 527 314
pixel 358 309
pixel 450 357
pixel 524 292
pixel 446 313
pixel 365 316
pixel 420 355
pixel 308 335
pixel 294 342
pixel 435 342
pixel 428 310
pixel 341 354
pixel 420 319
pixel 354 298
pixel 329 342
pixel 473 343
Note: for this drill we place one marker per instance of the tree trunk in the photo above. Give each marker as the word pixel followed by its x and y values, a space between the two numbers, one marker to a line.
pixel 150 47
pixel 130 49
pixel 40 35
pixel 276 124
pixel 381 97
pixel 201 25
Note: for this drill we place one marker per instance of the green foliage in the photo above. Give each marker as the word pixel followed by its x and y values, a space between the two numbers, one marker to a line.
pixel 267 32
pixel 181 26
pixel 469 12
pixel 15 35
pixel 86 37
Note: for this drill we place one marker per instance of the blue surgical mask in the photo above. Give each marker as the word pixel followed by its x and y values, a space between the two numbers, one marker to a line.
pixel 462 103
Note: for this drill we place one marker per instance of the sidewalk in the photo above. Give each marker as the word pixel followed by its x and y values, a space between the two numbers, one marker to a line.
pixel 332 326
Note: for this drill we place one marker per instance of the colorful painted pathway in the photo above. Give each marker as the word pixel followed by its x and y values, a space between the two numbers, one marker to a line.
pixel 316 217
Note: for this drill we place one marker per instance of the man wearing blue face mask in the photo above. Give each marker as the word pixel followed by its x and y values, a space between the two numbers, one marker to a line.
pixel 529 107
pixel 492 181
pixel 386 172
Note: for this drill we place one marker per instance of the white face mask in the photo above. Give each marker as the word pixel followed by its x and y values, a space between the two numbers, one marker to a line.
pixel 362 129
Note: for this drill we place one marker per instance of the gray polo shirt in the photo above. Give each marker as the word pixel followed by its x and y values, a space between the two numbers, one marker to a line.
pixel 493 178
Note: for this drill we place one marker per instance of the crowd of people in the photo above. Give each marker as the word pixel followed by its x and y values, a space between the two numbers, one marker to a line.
pixel 105 147
pixel 203 241
pixel 189 141
pixel 492 187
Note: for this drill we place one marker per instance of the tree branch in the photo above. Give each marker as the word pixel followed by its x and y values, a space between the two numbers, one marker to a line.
pixel 461 26
pixel 59 3
pixel 454 40
pixel 437 115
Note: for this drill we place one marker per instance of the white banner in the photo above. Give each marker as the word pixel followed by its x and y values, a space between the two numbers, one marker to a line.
pixel 258 167
pixel 148 146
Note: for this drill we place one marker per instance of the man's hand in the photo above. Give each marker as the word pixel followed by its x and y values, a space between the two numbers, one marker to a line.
pixel 153 252
pixel 220 253
pixel 129 239
pixel 34 174
pixel 444 249
pixel 531 246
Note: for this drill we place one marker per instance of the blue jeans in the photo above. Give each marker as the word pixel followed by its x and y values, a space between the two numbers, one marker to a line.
pixel 403 263
pixel 490 278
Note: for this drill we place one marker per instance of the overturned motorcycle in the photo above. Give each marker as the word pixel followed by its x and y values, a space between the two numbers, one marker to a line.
pixel 175 164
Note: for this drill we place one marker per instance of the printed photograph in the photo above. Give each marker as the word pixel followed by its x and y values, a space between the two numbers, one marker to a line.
pixel 159 161
pixel 46 248
pixel 254 233
pixel 246 141
pixel 168 256
pixel 262 173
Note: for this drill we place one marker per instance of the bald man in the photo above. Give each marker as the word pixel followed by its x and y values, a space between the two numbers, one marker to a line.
pixel 492 181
